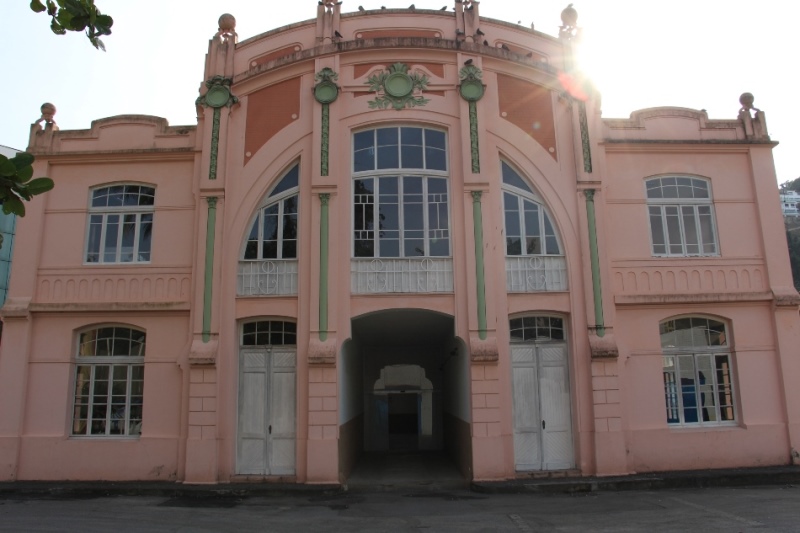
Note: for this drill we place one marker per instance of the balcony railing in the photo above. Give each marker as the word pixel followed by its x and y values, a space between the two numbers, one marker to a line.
pixel 536 274
pixel 274 277
pixel 401 275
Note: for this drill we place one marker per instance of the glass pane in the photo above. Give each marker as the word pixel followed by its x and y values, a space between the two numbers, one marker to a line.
pixel 412 156
pixel 654 189
pixel 707 230
pixel 411 136
pixel 690 229
pixel 363 140
pixel 128 238
pixel 364 160
pixel 95 232
pixel 673 229
pixel 112 236
pixel 289 181
pixel 435 139
pixel 388 157
pixel 435 159
pixel 145 236
pixel 657 231
pixel 688 389
pixel 510 177
pixel 115 195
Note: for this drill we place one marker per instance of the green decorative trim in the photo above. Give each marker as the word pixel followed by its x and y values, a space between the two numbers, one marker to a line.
pixel 325 92
pixel 471 88
pixel 595 261
pixel 396 88
pixel 212 163
pixel 477 222
pixel 587 149
pixel 323 266
pixel 473 138
pixel 325 141
pixel 325 88
pixel 217 96
pixel 218 93
pixel 209 268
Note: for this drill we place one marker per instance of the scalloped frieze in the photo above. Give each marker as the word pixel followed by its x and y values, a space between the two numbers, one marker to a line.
pixel 100 288
pixel 660 280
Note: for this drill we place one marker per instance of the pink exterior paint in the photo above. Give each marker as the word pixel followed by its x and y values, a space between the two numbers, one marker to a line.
pixel 191 390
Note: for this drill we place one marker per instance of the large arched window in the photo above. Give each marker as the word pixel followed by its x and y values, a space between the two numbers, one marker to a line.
pixel 268 264
pixel 698 379
pixel 401 210
pixel 109 382
pixel 273 234
pixel 681 216
pixel 120 224
pixel 534 260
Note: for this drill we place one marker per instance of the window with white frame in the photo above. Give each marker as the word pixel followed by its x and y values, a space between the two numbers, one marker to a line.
pixel 533 328
pixel 698 378
pixel 269 333
pixel 109 382
pixel 120 224
pixel 534 260
pixel 529 230
pixel 400 193
pixel 681 216
pixel 273 234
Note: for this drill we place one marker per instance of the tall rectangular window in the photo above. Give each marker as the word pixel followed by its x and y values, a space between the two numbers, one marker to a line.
pixel 120 224
pixel 109 382
pixel 681 217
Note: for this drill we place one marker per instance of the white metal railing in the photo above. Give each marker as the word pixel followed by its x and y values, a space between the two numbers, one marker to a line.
pixel 536 274
pixel 408 275
pixel 267 278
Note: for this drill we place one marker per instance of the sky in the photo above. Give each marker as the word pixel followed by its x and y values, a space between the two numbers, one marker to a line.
pixel 700 54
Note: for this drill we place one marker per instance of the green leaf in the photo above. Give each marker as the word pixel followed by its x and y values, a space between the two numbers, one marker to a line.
pixel 14 205
pixel 37 6
pixel 7 169
pixel 39 185
pixel 22 160
pixel 24 174
pixel 78 23
pixel 103 22
pixel 56 28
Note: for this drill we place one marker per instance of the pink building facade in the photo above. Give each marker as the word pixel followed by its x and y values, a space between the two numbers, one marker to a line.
pixel 399 230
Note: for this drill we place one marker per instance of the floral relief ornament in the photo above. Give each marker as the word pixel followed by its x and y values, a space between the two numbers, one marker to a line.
pixel 397 88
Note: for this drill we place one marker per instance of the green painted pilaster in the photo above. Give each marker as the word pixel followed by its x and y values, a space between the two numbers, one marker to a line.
pixel 480 282
pixel 323 267
pixel 212 167
pixel 326 112
pixel 595 262
pixel 209 269
pixel 585 144
pixel 473 137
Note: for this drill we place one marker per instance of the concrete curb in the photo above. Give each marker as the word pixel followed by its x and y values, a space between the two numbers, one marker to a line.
pixel 733 477
pixel 736 477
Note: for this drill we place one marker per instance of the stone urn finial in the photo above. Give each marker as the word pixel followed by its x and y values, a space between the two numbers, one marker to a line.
pixel 747 100
pixel 48 112
pixel 227 23
pixel 569 17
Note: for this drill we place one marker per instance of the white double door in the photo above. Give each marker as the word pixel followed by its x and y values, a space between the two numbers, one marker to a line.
pixel 266 426
pixel 542 414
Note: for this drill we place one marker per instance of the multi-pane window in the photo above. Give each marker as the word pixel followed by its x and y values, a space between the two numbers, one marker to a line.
pixel 109 382
pixel 532 328
pixel 120 224
pixel 273 234
pixel 529 230
pixel 681 216
pixel 269 332
pixel 698 378
pixel 400 193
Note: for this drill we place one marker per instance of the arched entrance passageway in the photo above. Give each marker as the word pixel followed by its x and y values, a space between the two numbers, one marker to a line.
pixel 404 393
